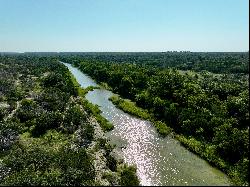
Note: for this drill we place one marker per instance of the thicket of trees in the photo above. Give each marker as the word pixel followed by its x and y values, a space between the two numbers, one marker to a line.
pixel 47 127
pixel 208 107
pixel 216 62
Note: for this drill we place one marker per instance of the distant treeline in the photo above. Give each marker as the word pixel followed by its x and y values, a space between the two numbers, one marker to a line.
pixel 216 62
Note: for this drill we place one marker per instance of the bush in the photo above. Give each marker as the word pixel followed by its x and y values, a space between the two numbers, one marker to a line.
pixel 46 121
pixel 162 128
pixel 130 107
pixel 93 109
pixel 129 177
pixel 27 111
pixel 35 166
pixel 74 117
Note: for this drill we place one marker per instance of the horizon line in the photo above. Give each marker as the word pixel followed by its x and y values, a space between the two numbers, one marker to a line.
pixel 125 51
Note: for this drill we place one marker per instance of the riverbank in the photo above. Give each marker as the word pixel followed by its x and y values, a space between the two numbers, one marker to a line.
pixel 118 173
pixel 205 151
pixel 49 136
pixel 89 107
pixel 131 108
pixel 140 144
pixel 180 104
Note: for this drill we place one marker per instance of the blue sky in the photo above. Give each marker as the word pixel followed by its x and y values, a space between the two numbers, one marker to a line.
pixel 124 25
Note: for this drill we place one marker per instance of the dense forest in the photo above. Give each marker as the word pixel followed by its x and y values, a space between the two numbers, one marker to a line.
pixel 49 133
pixel 215 62
pixel 203 97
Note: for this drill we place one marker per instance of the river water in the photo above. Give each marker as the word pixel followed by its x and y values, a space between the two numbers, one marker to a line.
pixel 159 161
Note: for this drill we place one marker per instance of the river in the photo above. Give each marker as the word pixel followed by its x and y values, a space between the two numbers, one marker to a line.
pixel 159 161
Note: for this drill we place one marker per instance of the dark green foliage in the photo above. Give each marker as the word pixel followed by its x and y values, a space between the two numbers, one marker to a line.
pixel 77 167
pixel 162 128
pixel 60 81
pixel 46 121
pixel 88 132
pixel 53 99
pixel 8 135
pixel 232 143
pixel 15 94
pixel 37 95
pixel 105 124
pixel 27 110
pixel 93 109
pixel 20 158
pixel 73 118
pixel 210 111
pixel 208 105
pixel 216 62
pixel 35 166
pixel 111 163
pixel 128 176
pixel 131 108
pixel 85 135
pixel 3 112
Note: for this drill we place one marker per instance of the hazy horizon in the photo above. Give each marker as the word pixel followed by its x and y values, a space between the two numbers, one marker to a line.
pixel 124 26
pixel 122 51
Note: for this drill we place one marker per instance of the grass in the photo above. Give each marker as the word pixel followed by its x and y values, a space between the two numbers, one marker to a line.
pixel 52 140
pixel 96 112
pixel 131 108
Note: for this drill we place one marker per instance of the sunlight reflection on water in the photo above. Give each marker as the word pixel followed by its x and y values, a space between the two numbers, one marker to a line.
pixel 159 161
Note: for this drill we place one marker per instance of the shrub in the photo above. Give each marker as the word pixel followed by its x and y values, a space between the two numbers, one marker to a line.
pixel 162 128
pixel 129 177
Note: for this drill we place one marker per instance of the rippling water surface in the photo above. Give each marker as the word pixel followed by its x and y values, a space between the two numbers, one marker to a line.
pixel 159 161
